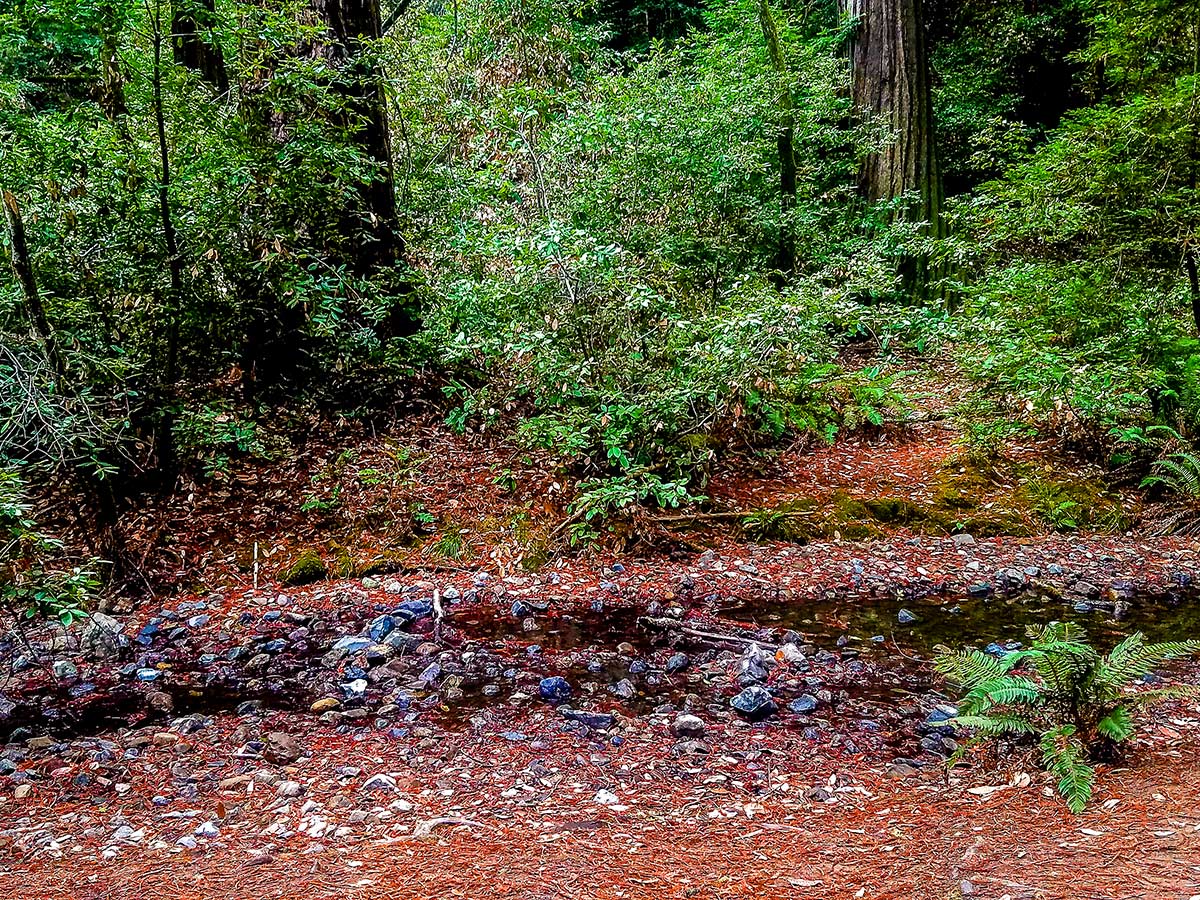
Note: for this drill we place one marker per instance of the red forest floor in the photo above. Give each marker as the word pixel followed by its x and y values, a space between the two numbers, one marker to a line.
pixel 471 813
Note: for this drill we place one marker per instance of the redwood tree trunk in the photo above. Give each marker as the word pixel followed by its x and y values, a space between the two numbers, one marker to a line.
pixel 191 20
pixel 785 143
pixel 352 24
pixel 890 78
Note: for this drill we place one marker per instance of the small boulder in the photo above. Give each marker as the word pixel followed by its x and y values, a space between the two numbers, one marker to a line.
pixel 688 726
pixel 555 689
pixel 803 705
pixel 596 720
pixel 754 703
pixel 281 748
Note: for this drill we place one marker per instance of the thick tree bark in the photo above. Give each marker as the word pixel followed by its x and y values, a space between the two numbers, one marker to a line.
pixel 890 80
pixel 786 140
pixel 352 25
pixel 191 19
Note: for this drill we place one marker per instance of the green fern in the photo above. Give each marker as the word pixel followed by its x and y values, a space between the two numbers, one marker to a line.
pixel 1063 755
pixel 1179 473
pixel 1075 700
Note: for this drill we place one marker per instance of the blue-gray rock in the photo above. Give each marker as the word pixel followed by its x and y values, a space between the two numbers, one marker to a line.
pixel 596 720
pixel 64 668
pixel 400 640
pixel 804 704
pixel 755 665
pixel 554 689
pixel 103 636
pixel 754 703
pixel 906 617
pixel 381 627
pixel 677 663
pixel 623 689
pixel 199 621
pixel 148 674
pixel 351 644
pixel 411 610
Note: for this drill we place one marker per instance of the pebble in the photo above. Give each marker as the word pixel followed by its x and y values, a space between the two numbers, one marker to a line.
pixel 289 789
pixel 803 704
pixel 381 784
pixel 688 726
pixel 596 720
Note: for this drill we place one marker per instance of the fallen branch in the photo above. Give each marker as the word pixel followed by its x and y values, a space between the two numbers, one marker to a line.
pixel 656 623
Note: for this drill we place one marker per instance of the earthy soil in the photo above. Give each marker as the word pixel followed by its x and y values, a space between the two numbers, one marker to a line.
pixel 225 752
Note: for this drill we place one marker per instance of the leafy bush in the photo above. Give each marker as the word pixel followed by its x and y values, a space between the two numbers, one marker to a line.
pixel 1064 693
pixel 214 434
pixel 606 271
pixel 600 499
pixel 1075 308
pixel 34 580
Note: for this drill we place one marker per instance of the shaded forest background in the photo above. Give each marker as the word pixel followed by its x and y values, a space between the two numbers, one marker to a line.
pixel 636 235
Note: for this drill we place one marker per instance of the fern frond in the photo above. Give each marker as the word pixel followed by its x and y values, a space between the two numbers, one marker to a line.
pixel 1004 690
pixel 1133 658
pixel 1180 472
pixel 1117 725
pixel 992 726
pixel 1176 692
pixel 971 667
pixel 1056 633
pixel 1063 756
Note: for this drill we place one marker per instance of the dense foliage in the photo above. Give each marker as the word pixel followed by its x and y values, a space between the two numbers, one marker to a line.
pixel 633 233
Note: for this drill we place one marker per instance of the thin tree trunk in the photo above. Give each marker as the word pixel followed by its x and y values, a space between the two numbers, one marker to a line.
pixel 1189 264
pixel 1189 252
pixel 785 142
pixel 164 439
pixel 104 534
pixel 22 264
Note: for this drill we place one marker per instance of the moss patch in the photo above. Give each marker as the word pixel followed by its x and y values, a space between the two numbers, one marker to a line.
pixel 307 568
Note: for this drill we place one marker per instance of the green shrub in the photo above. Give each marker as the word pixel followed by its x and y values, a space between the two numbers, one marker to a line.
pixel 35 579
pixel 605 278
pixel 1061 691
